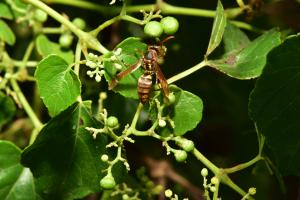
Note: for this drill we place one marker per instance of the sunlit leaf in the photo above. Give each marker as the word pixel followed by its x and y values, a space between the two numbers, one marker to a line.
pixel 46 47
pixel 58 85
pixel 248 61
pixel 217 30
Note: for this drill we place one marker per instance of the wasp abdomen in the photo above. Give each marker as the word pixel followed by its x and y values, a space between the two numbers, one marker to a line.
pixel 144 87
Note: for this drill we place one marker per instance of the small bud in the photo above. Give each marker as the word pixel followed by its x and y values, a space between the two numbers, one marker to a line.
pixel 118 66
pixel 104 158
pixel 98 78
pixel 213 189
pixel 168 193
pixel 89 73
pixel 180 155
pixel 103 95
pixel 252 191
pixel 125 196
pixel 214 180
pixel 118 51
pixel 204 172
pixel 90 56
pixel 162 123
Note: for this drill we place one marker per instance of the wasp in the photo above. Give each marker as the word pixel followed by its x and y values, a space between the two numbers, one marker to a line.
pixel 149 62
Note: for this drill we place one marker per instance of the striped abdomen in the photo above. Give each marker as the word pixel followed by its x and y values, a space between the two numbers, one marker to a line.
pixel 144 87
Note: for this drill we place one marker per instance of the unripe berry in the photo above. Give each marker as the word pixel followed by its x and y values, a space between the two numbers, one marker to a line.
pixel 213 189
pixel 188 145
pixel 180 155
pixel 204 172
pixel 153 29
pixel 79 22
pixel 65 40
pixel 172 98
pixel 108 182
pixel 170 25
pixel 214 180
pixel 40 15
pixel 112 122
pixel 252 191
pixel 125 196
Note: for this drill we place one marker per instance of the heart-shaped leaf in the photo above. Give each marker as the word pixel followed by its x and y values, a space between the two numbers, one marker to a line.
pixel 16 182
pixel 58 85
pixel 64 158
pixel 247 62
pixel 275 105
pixel 46 47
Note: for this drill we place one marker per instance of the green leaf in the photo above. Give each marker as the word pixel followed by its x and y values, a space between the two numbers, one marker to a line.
pixel 217 30
pixel 248 62
pixel 7 108
pixel 132 49
pixel 5 11
pixel 64 158
pixel 6 33
pixel 58 85
pixel 16 182
pixel 186 112
pixel 46 47
pixel 275 105
pixel 234 39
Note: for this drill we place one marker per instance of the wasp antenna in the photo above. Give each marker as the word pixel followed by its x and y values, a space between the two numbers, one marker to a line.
pixel 166 39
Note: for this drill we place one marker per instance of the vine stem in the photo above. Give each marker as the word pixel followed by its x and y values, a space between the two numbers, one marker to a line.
pixel 87 38
pixel 243 165
pixel 136 116
pixel 163 6
pixel 205 161
pixel 36 122
pixel 187 72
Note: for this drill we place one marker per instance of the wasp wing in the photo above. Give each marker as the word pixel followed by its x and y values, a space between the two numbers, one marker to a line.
pixel 124 73
pixel 161 78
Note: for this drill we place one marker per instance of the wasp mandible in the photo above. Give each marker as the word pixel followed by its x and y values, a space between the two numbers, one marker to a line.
pixel 149 62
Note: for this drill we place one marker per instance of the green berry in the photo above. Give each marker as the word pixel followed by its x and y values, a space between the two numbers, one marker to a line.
pixel 180 155
pixel 153 29
pixel 108 182
pixel 65 40
pixel 204 172
pixel 252 191
pixel 188 145
pixel 172 98
pixel 125 196
pixel 214 180
pixel 112 122
pixel 79 22
pixel 40 15
pixel 170 25
pixel 213 189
